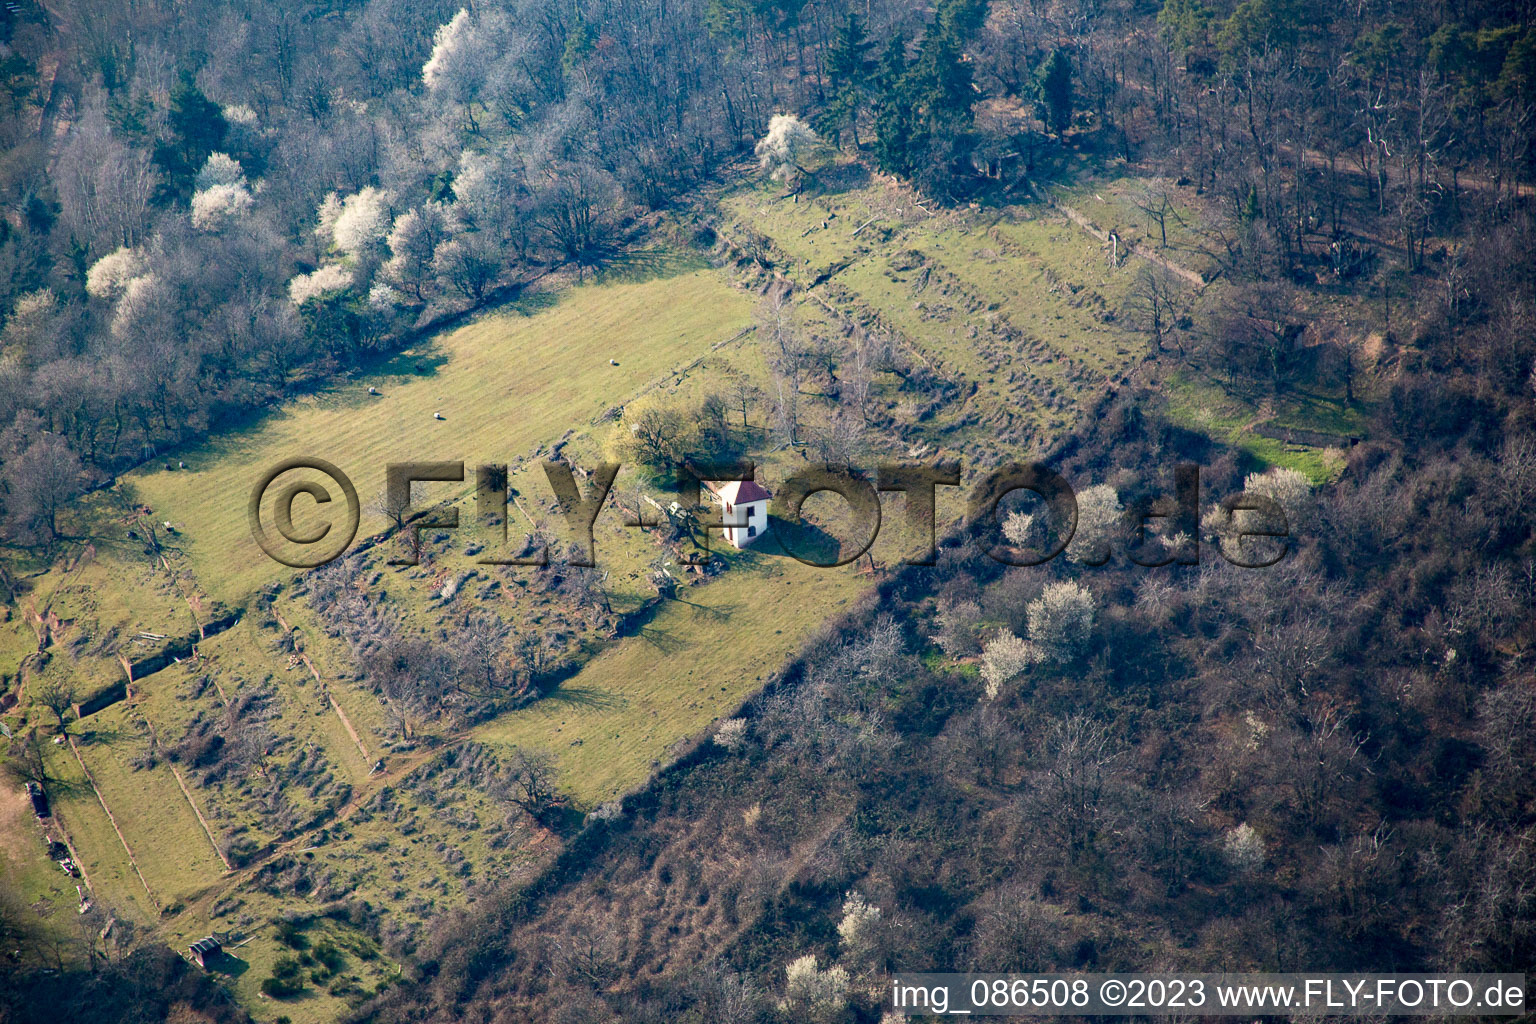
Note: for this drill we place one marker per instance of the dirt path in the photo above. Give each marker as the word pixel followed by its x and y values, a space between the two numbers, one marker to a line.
pixel 200 819
pixel 346 723
pixel 191 605
pixel 1135 248
pixel 113 821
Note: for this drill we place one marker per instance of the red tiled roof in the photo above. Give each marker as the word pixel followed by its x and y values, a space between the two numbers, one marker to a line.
pixel 738 492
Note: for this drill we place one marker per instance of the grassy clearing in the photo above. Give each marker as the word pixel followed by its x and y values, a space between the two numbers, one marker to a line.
pixel 240 801
pixel 360 968
pixel 695 661
pixel 424 841
pixel 508 384
pixel 1205 406
pixel 1202 402
pixel 1313 411
pixel 97 606
pixel 860 220
pixel 364 711
pixel 1010 313
pixel 17 640
pixel 1111 204
pixel 505 385
pixel 419 858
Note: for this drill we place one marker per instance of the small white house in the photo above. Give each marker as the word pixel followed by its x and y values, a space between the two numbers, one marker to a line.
pixel 743 508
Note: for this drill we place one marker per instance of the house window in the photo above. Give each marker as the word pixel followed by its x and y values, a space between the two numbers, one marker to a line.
pixel 751 530
pixel 751 509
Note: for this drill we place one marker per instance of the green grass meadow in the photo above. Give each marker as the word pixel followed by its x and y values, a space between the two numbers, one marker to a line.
pixel 505 385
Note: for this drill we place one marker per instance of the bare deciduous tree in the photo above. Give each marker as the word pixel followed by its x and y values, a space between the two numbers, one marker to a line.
pixel 1152 306
pixel 1082 763
pixel 57 695
pixel 42 480
pixel 531 778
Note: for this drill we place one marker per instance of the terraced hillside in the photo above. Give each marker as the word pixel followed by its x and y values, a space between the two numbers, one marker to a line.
pixel 1017 307
pixel 260 768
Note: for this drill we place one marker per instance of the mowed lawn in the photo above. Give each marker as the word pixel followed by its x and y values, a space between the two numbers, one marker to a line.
pixel 504 385
pixel 695 661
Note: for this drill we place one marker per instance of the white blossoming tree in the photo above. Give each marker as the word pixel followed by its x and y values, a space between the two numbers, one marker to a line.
pixel 781 152
pixel 1060 620
pixel 1019 528
pixel 452 46
pixel 464 52
pixel 859 930
pixel 412 242
pixel 810 990
pixel 383 298
pixel 486 193
pixel 331 278
pixel 33 322
pixel 217 206
pixel 241 114
pixel 362 224
pixel 109 275
pixel 141 309
pixel 732 734
pixel 325 218
pixel 1099 515
pixel 220 169
pixel 1003 658
pixel 1289 489
pixel 1244 848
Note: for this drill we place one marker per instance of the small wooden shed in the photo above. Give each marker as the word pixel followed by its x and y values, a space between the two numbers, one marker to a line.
pixel 205 950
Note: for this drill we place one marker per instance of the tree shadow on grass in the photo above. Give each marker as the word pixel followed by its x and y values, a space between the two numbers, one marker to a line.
pixel 57 787
pixel 421 361
pixel 88 734
pixel 637 266
pixel 839 178
pixel 664 640
pixel 531 303
pixel 239 435
pixel 716 613
pixel 586 697
pixel 809 542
